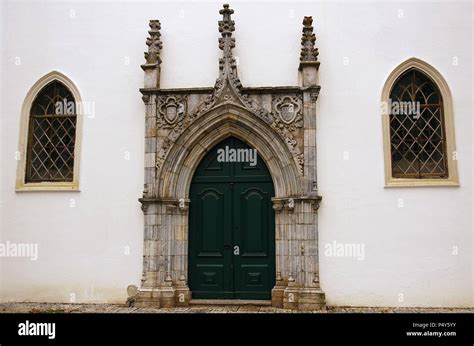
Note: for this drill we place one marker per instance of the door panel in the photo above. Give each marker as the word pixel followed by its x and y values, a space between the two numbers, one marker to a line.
pixel 210 262
pixel 254 219
pixel 253 215
pixel 231 209
pixel 211 219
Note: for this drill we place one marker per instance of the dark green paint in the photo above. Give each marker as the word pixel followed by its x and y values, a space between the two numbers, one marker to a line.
pixel 231 205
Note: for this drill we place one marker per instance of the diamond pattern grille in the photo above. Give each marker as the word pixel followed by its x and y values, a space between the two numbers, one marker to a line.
pixel 52 136
pixel 417 135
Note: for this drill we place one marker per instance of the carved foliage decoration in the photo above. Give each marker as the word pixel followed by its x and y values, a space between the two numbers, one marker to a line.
pixel 287 121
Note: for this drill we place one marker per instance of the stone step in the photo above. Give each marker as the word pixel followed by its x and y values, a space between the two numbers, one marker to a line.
pixel 230 302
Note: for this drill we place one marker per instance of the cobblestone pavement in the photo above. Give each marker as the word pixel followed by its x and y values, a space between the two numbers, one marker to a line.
pixel 118 308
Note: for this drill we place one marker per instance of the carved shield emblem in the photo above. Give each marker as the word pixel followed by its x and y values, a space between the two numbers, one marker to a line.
pixel 287 112
pixel 171 113
pixel 287 108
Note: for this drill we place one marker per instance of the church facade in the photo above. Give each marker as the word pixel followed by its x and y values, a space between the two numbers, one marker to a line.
pixel 289 176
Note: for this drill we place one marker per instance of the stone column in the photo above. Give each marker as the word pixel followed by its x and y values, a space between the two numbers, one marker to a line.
pixel 306 282
pixel 294 269
pixel 180 258
pixel 149 294
pixel 165 278
pixel 281 250
pixel 308 68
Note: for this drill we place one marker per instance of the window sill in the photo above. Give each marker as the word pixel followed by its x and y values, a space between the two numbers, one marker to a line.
pixel 400 182
pixel 71 187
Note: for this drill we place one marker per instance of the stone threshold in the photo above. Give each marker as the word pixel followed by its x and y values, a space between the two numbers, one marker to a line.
pixel 230 302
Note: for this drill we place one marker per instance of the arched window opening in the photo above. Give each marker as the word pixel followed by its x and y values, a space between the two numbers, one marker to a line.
pixel 417 133
pixel 52 135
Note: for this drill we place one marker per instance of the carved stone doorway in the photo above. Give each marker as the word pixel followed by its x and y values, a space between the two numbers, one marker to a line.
pixel 231 252
pixel 181 127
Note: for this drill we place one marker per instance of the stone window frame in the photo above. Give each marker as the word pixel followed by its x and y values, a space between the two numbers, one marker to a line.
pixel 440 82
pixel 21 184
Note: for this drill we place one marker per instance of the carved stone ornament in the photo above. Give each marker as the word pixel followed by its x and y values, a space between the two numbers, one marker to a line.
pixel 288 109
pixel 183 123
pixel 285 116
pixel 171 109
pixel 309 52
pixel 154 43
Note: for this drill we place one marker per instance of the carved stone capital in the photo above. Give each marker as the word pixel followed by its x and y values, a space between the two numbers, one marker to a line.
pixel 146 98
pixel 171 204
pixel 288 203
pixel 315 203
pixel 183 204
pixel 145 202
pixel 314 96
pixel 285 203
pixel 278 204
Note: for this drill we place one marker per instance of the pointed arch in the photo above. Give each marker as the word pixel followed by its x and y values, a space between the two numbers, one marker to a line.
pixel 209 129
pixel 31 98
pixel 440 83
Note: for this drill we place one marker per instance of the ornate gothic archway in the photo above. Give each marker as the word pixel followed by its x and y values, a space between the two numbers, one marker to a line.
pixel 183 124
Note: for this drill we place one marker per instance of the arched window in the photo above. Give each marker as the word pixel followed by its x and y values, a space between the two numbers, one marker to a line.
pixel 418 127
pixel 49 146
pixel 51 135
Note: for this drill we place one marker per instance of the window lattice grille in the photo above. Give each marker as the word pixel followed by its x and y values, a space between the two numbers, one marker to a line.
pixel 417 134
pixel 52 132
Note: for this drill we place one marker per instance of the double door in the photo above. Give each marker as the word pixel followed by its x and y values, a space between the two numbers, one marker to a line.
pixel 231 229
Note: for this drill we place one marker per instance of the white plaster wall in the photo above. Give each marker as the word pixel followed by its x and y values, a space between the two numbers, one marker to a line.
pixel 407 250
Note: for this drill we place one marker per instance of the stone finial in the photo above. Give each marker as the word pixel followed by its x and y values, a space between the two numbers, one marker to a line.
pixel 152 57
pixel 154 43
pixel 226 25
pixel 227 64
pixel 309 52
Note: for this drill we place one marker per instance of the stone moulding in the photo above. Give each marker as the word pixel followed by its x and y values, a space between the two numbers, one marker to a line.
pixel 288 203
pixel 183 124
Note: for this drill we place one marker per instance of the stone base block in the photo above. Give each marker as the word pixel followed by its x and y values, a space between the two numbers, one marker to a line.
pixel 147 297
pixel 303 298
pixel 168 299
pixel 161 297
pixel 277 296
pixel 183 296
pixel 311 299
pixel 290 298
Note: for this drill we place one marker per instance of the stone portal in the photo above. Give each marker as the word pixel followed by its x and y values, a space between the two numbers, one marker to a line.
pixel 182 125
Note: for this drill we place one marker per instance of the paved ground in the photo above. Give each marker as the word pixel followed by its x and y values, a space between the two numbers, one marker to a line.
pixel 117 308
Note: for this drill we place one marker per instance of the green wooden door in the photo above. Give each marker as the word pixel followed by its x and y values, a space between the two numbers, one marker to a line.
pixel 231 228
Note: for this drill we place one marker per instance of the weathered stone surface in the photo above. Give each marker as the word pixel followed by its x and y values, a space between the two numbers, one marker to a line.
pixel 152 307
pixel 182 124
